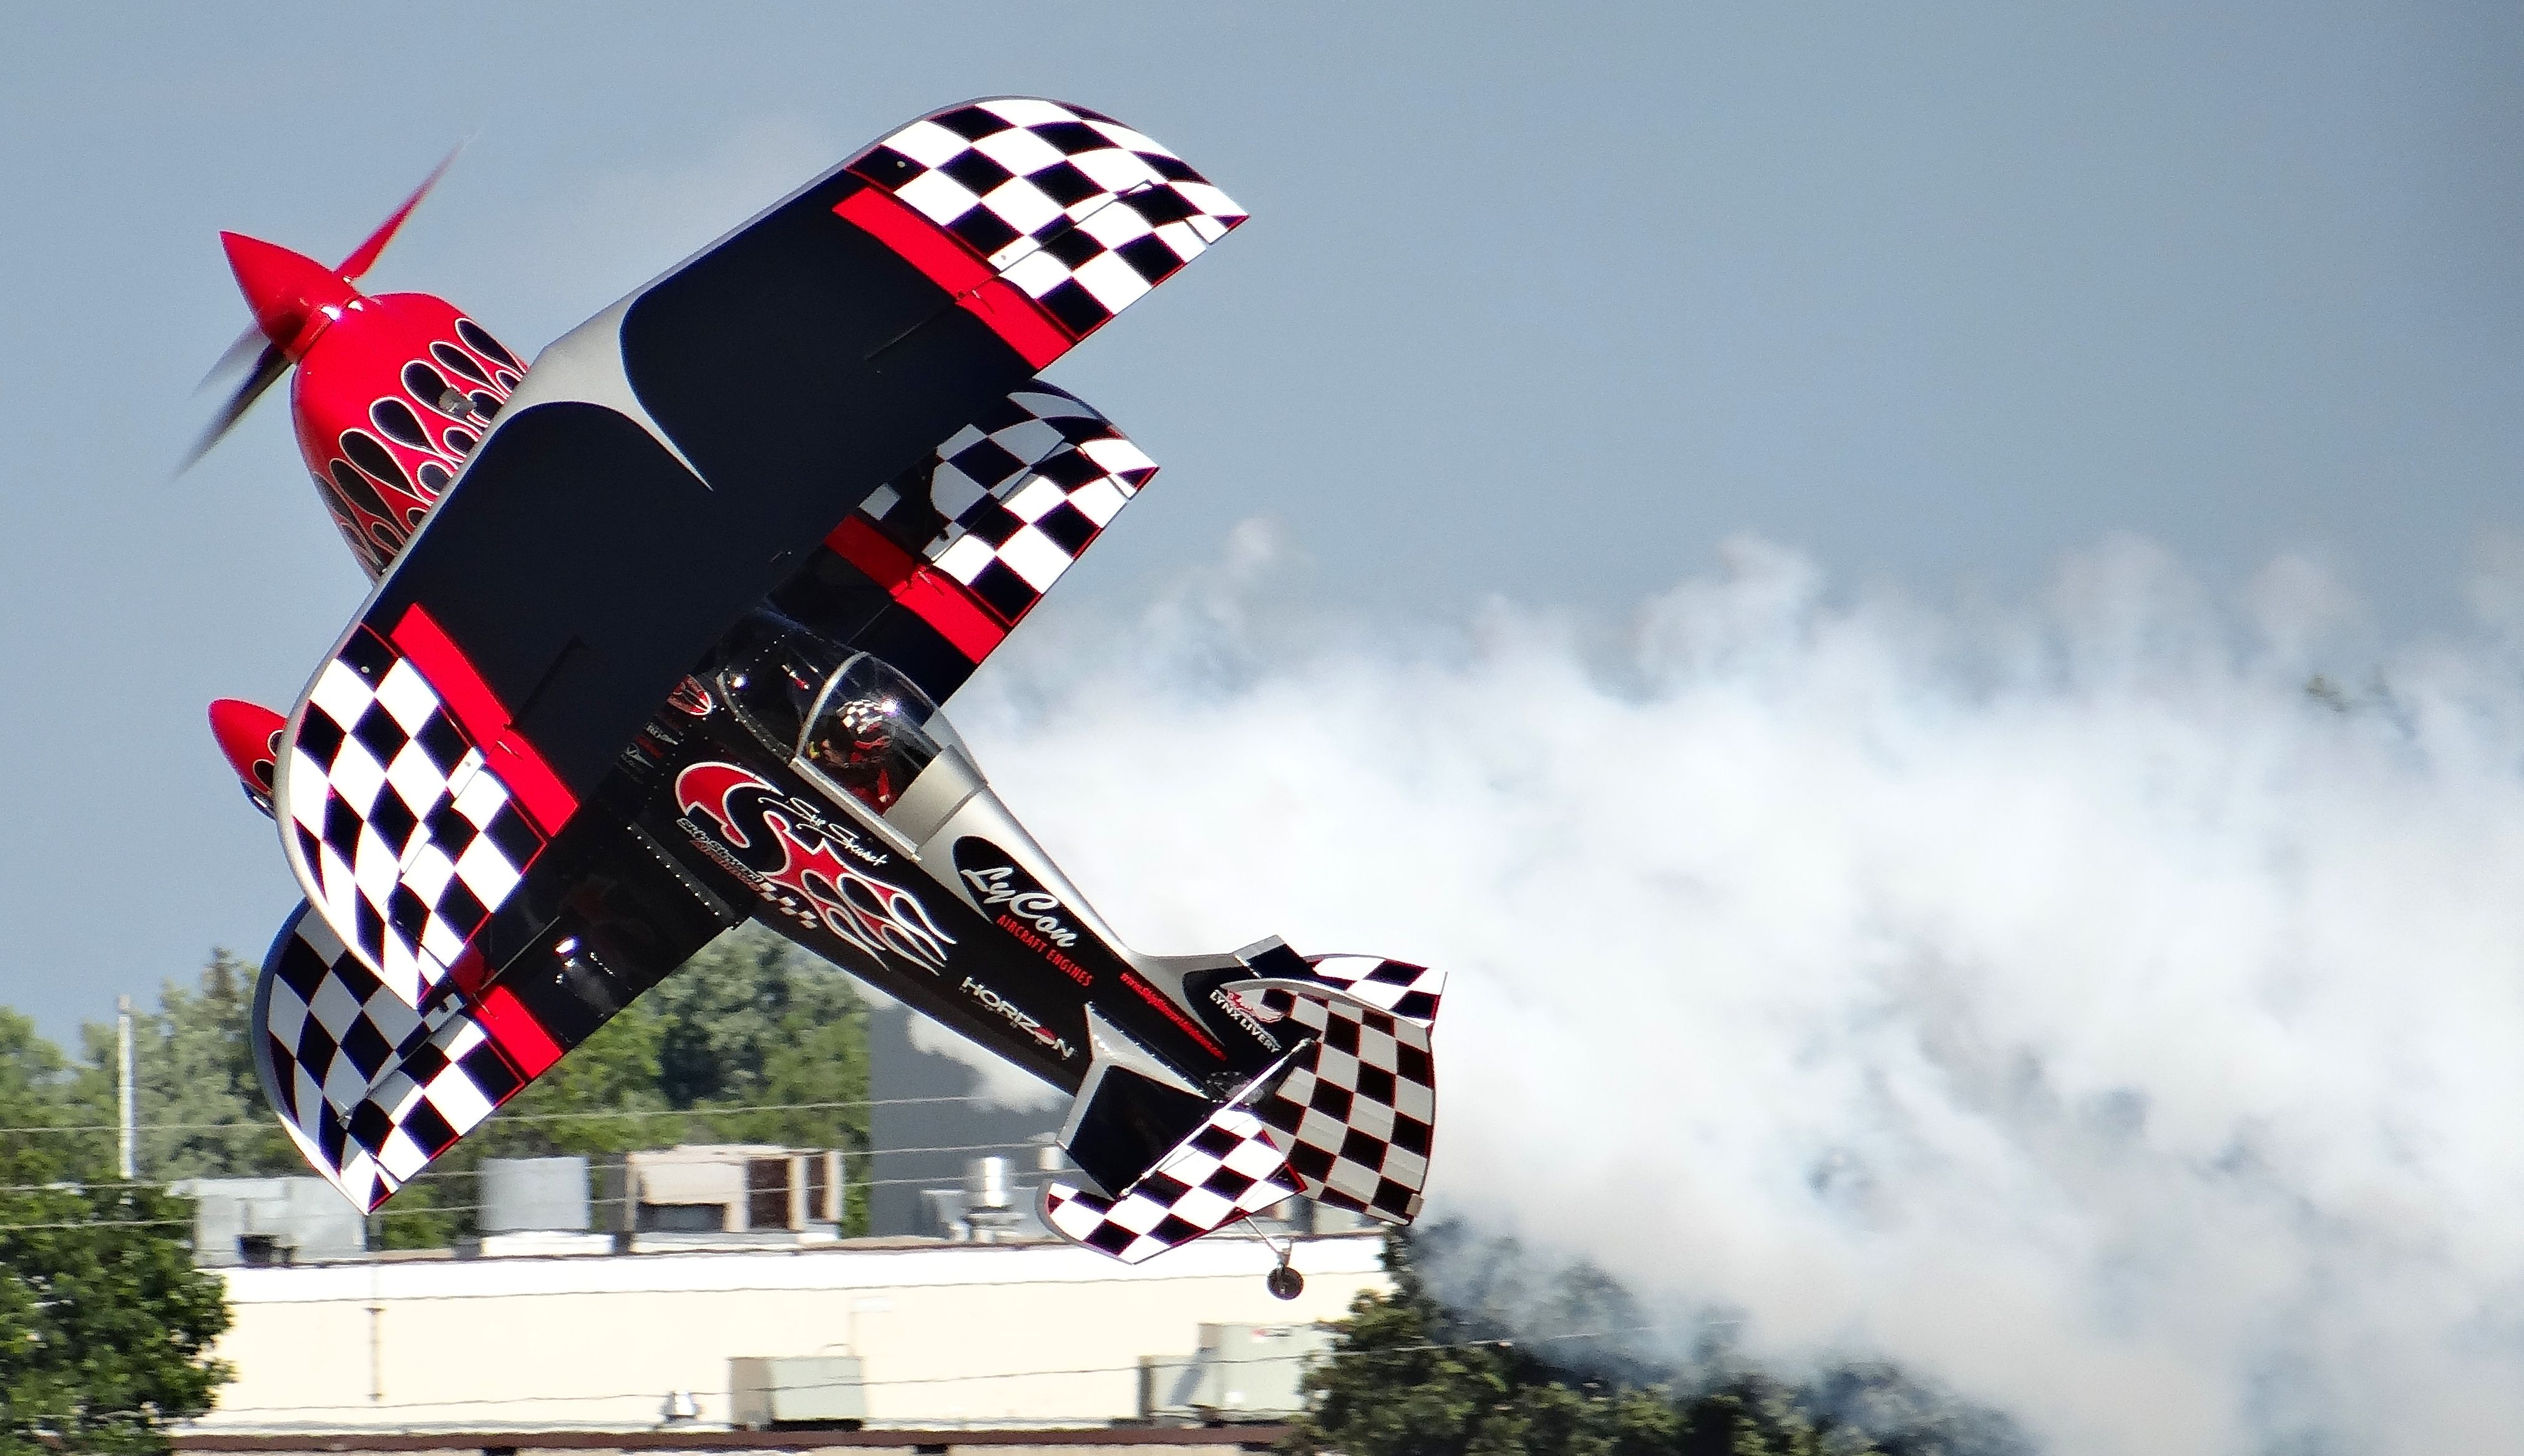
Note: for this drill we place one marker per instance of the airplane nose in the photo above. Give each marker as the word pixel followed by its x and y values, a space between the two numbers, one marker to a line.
pixel 292 295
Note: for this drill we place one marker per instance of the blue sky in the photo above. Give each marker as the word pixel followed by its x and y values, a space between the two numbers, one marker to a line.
pixel 1535 303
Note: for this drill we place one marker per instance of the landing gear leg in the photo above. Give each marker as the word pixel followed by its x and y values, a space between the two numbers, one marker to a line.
pixel 1283 1282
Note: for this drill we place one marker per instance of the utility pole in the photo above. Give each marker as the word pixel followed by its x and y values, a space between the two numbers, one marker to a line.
pixel 125 1130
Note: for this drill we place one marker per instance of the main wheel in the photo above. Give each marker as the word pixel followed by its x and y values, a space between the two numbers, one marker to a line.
pixel 1285 1282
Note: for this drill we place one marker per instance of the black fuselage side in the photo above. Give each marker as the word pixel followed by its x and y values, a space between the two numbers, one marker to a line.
pixel 961 927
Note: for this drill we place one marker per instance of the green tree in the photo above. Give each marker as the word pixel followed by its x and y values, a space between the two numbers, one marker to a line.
pixel 200 1108
pixel 751 1023
pixel 748 1022
pixel 1542 1370
pixel 105 1324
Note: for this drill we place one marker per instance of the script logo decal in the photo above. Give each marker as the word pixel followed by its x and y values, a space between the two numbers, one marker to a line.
pixel 792 857
pixel 1018 1019
pixel 1242 1014
pixel 1038 907
pixel 1032 917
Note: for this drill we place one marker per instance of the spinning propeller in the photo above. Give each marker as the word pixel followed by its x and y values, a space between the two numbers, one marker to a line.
pixel 293 297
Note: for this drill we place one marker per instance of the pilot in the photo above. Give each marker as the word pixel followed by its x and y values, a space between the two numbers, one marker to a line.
pixel 854 744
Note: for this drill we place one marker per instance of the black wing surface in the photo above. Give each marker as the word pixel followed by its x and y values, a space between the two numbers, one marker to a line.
pixel 671 462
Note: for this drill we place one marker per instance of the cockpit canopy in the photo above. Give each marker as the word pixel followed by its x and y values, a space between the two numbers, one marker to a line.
pixel 846 718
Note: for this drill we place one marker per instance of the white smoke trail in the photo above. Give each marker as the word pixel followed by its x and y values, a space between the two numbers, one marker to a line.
pixel 2066 1003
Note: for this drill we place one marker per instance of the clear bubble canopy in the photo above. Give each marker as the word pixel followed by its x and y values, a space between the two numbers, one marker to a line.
pixel 849 718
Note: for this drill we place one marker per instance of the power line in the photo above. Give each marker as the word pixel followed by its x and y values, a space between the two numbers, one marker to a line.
pixel 424 1210
pixel 433 1175
pixel 251 1124
pixel 1426 1347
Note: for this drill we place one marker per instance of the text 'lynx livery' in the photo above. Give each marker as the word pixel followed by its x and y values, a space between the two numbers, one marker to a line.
pixel 659 631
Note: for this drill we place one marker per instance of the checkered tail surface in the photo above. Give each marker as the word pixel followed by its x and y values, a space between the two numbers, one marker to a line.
pixel 404 839
pixel 1011 500
pixel 369 1089
pixel 1080 213
pixel 1356 1115
pixel 1226 1169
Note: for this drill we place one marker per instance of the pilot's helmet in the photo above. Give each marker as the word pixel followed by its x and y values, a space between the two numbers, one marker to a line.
pixel 869 720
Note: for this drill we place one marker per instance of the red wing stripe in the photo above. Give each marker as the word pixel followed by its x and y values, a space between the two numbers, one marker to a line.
pixel 933 596
pixel 939 600
pixel 448 670
pixel 1018 319
pixel 536 789
pixel 863 545
pixel 922 243
pixel 516 1033
pixel 529 779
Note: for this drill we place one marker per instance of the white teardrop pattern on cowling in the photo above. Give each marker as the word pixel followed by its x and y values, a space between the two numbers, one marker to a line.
pixel 382 484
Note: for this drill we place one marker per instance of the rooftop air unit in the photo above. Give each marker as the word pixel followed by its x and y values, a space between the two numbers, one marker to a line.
pixel 256 1221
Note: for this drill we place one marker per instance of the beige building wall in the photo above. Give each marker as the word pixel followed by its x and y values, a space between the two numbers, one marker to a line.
pixel 949 1335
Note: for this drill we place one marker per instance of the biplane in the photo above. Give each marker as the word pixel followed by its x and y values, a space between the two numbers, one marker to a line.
pixel 658 642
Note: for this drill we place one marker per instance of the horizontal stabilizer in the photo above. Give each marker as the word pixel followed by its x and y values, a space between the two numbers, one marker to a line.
pixel 1226 1169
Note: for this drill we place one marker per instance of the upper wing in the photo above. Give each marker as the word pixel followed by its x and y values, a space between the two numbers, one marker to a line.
pixel 933 569
pixel 668 463
pixel 1059 218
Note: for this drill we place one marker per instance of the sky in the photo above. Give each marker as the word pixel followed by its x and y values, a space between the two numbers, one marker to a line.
pixel 1542 305
pixel 1997 413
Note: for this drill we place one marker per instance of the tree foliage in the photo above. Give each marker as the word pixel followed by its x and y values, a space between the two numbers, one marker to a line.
pixel 751 1041
pixel 105 1324
pixel 200 1111
pixel 1514 1369
pixel 751 1023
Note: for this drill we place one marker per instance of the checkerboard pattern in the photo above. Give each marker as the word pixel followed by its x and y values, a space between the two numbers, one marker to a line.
pixel 1407 991
pixel 370 1091
pixel 1079 212
pixel 1224 1170
pixel 1356 1113
pixel 1011 500
pixel 406 843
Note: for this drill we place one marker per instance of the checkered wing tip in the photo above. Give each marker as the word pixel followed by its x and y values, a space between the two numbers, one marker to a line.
pixel 1079 213
pixel 1011 501
pixel 403 835
pixel 370 1091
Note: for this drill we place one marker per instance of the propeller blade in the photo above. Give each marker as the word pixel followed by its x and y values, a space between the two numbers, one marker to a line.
pixel 247 346
pixel 364 257
pixel 268 368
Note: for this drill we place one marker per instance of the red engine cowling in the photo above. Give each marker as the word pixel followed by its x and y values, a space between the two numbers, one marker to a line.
pixel 392 390
pixel 389 400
